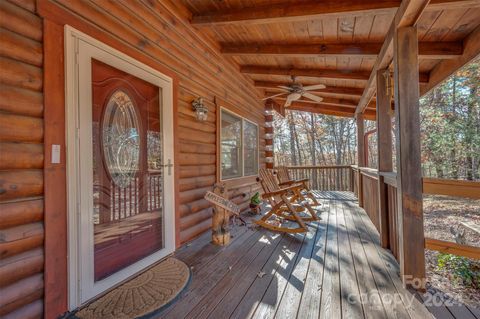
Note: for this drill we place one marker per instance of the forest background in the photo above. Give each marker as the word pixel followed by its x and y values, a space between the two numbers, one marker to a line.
pixel 450 132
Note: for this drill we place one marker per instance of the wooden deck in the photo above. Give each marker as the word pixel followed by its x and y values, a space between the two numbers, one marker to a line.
pixel 336 270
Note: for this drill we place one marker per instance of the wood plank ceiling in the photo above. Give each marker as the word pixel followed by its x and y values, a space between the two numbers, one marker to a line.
pixel 331 42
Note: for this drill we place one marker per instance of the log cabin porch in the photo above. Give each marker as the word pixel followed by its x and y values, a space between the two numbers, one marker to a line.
pixel 336 270
pixel 184 63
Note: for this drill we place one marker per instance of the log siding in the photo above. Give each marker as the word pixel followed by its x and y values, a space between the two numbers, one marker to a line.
pixel 158 34
pixel 22 231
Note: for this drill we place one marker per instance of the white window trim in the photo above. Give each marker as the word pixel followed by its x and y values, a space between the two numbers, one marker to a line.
pixel 242 159
pixel 258 148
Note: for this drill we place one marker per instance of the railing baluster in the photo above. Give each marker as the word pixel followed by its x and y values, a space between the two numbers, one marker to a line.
pixel 322 178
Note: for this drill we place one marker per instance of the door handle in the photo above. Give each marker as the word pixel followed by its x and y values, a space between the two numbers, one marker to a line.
pixel 169 165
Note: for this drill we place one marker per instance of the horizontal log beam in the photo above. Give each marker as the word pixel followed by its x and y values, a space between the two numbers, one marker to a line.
pixel 431 50
pixel 289 11
pixel 328 90
pixel 326 109
pixel 407 15
pixel 315 73
pixel 326 100
pixel 471 49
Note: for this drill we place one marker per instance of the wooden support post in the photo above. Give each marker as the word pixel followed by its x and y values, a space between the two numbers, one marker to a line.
pixel 360 155
pixel 409 173
pixel 269 157
pixel 352 182
pixel 384 147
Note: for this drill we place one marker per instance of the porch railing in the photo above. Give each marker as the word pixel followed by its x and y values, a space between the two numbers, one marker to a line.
pixel 371 180
pixel 325 178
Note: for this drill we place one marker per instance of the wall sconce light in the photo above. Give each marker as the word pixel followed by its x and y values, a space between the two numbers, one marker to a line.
pixel 200 109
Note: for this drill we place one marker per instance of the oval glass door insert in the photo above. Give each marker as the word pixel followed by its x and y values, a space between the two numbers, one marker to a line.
pixel 121 139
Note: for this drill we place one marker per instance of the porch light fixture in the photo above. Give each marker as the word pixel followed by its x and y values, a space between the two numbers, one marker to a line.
pixel 200 109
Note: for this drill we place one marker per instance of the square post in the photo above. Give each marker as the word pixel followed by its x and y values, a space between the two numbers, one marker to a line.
pixel 384 147
pixel 409 173
pixel 360 155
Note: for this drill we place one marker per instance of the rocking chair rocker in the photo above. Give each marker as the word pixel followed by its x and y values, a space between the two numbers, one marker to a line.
pixel 282 201
pixel 285 180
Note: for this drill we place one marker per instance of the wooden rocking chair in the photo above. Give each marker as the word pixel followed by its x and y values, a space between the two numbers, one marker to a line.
pixel 285 180
pixel 282 201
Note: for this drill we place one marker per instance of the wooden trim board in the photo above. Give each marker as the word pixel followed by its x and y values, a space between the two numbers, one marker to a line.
pixel 452 248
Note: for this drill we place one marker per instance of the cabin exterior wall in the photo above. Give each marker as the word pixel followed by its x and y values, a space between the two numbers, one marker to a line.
pixel 32 215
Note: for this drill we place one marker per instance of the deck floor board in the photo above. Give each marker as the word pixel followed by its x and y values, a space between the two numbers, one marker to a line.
pixel 337 270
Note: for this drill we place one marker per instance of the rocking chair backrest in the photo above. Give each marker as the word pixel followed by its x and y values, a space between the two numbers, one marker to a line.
pixel 283 175
pixel 269 183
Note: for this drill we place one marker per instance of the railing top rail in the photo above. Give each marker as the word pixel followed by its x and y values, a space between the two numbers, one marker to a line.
pixel 318 166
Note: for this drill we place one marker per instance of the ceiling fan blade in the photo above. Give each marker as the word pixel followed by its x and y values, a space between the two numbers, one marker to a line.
pixel 289 101
pixel 283 87
pixel 312 97
pixel 314 87
pixel 269 97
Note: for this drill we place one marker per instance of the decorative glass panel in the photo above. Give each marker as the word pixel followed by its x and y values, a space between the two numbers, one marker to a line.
pixel 231 146
pixel 121 140
pixel 250 148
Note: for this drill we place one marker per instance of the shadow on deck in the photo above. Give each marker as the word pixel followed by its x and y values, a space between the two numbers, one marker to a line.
pixel 336 270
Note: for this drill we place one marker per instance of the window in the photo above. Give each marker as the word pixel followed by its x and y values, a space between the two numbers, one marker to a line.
pixel 239 146
pixel 250 148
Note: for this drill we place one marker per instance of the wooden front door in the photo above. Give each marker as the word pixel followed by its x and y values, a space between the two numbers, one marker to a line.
pixel 127 169
pixel 120 174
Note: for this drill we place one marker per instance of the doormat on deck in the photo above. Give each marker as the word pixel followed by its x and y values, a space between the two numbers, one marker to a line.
pixel 143 296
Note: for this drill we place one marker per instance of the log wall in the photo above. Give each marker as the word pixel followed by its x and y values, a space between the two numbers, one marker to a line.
pixel 161 32
pixel 21 161
pixel 155 32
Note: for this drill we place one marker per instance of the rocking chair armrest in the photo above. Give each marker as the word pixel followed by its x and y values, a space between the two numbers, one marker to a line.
pixel 287 183
pixel 302 180
pixel 281 191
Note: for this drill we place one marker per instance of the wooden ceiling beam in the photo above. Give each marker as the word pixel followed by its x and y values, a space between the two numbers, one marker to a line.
pixel 289 11
pixel 436 5
pixel 326 100
pixel 315 73
pixel 329 89
pixel 332 101
pixel 329 110
pixel 407 15
pixel 446 68
pixel 431 50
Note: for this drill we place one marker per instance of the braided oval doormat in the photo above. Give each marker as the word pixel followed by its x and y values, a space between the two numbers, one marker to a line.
pixel 143 296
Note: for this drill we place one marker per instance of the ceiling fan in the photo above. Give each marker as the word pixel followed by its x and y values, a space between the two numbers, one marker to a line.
pixel 296 90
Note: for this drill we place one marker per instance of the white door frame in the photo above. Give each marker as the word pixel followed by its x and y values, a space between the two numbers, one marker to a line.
pixel 79 51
